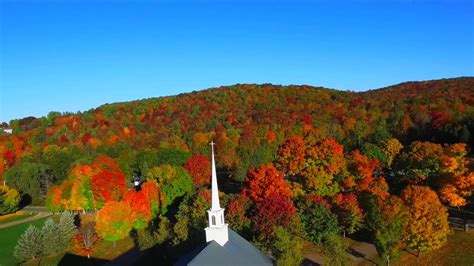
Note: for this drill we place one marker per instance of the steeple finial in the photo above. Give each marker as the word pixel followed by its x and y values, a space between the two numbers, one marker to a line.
pixel 214 190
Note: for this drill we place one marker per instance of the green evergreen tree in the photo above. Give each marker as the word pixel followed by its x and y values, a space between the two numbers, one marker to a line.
pixel 50 238
pixel 66 228
pixel 28 246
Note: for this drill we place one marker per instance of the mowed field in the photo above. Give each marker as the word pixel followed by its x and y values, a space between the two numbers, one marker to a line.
pixel 458 251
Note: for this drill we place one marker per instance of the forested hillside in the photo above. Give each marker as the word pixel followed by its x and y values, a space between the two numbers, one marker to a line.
pixel 304 161
pixel 248 120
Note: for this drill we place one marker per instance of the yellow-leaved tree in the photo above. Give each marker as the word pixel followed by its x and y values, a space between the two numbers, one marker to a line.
pixel 391 148
pixel 428 227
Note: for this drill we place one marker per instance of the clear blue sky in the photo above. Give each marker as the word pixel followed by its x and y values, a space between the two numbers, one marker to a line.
pixel 75 55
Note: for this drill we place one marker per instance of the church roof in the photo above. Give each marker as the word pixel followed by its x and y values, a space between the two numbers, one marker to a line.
pixel 237 251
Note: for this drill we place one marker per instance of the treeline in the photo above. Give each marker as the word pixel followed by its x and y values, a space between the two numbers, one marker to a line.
pixel 248 122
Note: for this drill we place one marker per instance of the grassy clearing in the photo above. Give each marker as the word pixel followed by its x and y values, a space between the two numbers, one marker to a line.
pixel 9 238
pixel 458 251
pixel 107 250
pixel 16 217
pixel 50 260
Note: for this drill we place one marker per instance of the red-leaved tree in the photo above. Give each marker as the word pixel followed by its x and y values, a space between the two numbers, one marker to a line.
pixel 275 210
pixel 199 167
pixel 140 207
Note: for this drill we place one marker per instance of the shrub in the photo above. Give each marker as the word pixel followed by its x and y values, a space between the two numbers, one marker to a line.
pixel 9 200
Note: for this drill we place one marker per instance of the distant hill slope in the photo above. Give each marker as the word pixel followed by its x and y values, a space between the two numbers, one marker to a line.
pixel 243 117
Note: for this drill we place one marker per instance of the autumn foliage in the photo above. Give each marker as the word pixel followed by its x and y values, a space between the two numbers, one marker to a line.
pixel 154 196
pixel 363 175
pixel 114 221
pixel 89 186
pixel 315 160
pixel 108 185
pixel 458 183
pixel 349 213
pixel 276 210
pixel 236 215
pixel 265 181
pixel 199 167
pixel 288 144
pixel 140 208
pixel 427 227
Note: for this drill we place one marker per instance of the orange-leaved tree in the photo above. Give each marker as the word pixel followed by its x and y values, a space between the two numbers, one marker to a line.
pixel 428 226
pixel 155 197
pixel 265 181
pixel 54 199
pixel 363 175
pixel 457 189
pixel 316 161
pixel 114 221
pixel 458 180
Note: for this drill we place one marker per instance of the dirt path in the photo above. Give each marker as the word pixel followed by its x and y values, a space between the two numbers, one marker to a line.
pixel 35 209
pixel 363 252
pixel 42 213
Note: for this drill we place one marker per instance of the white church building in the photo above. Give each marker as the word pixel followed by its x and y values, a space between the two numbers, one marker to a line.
pixel 224 246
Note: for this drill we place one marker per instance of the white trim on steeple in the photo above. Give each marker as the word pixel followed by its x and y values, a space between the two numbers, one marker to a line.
pixel 217 229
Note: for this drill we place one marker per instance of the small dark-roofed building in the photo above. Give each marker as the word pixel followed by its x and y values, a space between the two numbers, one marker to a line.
pixel 224 246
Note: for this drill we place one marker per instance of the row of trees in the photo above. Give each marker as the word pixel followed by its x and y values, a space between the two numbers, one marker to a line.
pixel 53 237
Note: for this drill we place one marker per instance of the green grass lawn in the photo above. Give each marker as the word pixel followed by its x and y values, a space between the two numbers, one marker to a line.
pixel 9 237
pixel 17 217
pixel 458 251
pixel 107 250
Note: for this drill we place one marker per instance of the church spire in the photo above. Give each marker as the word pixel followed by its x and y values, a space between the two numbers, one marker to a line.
pixel 215 190
pixel 217 229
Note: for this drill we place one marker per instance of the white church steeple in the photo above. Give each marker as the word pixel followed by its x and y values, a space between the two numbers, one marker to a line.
pixel 215 190
pixel 217 229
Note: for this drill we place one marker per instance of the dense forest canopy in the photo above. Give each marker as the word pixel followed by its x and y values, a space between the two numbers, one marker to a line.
pixel 247 119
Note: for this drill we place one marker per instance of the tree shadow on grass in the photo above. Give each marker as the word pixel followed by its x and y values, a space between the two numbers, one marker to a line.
pixel 362 236
pixel 70 259
pixel 356 253
pixel 308 262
